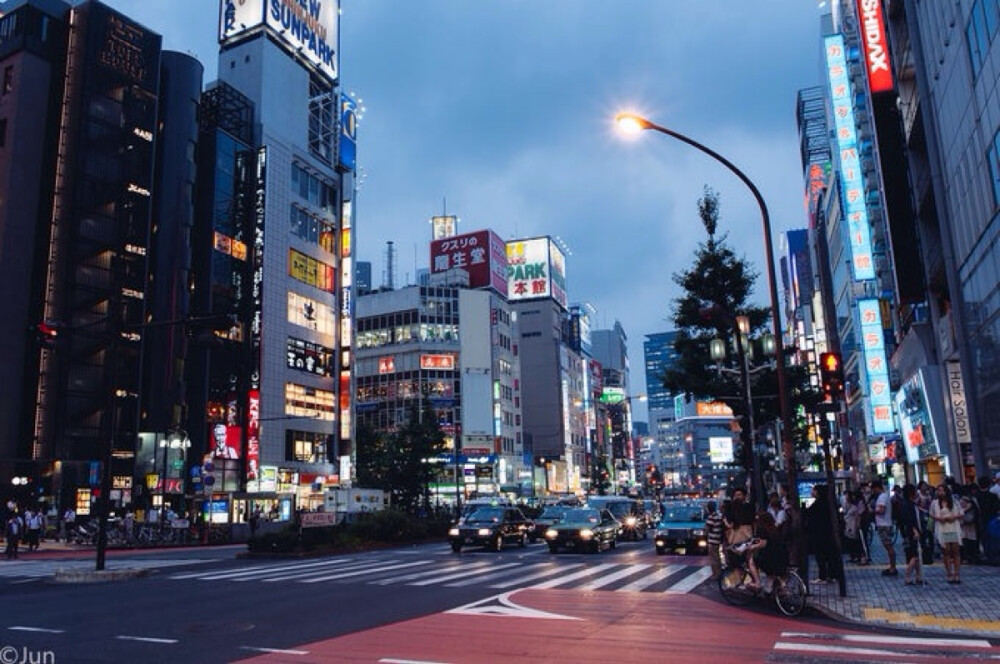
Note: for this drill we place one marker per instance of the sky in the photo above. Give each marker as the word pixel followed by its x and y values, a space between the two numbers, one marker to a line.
pixel 500 112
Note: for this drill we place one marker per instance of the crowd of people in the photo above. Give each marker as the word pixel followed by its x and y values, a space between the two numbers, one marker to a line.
pixel 958 524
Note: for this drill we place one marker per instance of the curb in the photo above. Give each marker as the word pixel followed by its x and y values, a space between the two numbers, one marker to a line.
pixel 98 576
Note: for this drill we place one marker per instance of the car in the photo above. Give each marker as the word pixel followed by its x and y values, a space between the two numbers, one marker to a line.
pixel 681 528
pixel 583 529
pixel 491 527
pixel 653 512
pixel 549 516
pixel 474 504
pixel 629 513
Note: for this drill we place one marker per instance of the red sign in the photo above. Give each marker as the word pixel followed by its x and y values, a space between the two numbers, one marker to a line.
pixel 446 362
pixel 386 365
pixel 225 441
pixel 875 45
pixel 482 254
pixel 253 435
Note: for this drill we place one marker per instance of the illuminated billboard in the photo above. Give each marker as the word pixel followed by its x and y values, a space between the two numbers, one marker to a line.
pixel 720 449
pixel 851 178
pixel 536 269
pixel 309 29
pixel 483 254
pixel 875 45
pixel 916 421
pixel 876 366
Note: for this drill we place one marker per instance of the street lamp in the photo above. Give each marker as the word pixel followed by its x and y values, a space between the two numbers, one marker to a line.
pixel 631 123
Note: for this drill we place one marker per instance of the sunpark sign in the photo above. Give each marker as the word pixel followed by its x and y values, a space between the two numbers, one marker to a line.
pixel 309 28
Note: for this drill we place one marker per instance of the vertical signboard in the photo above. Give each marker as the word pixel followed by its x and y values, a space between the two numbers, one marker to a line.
pixel 876 367
pixel 851 179
pixel 875 45
pixel 347 154
pixel 443 226
pixel 253 435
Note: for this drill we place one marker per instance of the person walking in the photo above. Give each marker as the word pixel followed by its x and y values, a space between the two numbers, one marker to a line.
pixel 12 532
pixel 884 525
pixel 947 517
pixel 853 545
pixel 910 528
pixel 33 528
pixel 819 535
pixel 714 531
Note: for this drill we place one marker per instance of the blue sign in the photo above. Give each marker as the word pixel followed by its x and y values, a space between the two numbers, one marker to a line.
pixel 348 132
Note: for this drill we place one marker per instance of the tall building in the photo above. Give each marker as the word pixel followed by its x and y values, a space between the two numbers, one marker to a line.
pixel 945 72
pixel 285 61
pixel 610 349
pixel 660 355
pixel 664 450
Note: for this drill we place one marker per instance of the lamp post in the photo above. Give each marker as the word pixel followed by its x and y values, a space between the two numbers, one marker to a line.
pixel 632 123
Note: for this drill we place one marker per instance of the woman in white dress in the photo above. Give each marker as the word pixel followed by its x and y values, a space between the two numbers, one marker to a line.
pixel 947 516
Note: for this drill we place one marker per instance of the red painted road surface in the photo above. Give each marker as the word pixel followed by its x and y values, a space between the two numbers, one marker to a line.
pixel 579 627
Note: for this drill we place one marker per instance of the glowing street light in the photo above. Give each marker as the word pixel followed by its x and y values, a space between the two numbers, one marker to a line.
pixel 630 123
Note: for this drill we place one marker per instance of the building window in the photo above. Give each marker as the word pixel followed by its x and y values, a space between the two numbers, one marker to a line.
pixel 8 78
pixel 321 119
pixel 3 132
pixel 993 156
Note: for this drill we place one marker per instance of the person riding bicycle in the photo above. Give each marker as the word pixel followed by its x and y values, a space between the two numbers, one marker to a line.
pixel 767 550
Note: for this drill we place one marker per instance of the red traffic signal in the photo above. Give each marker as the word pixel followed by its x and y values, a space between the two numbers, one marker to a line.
pixel 831 371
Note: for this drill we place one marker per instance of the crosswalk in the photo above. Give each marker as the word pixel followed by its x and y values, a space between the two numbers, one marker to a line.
pixel 822 648
pixel 42 568
pixel 386 570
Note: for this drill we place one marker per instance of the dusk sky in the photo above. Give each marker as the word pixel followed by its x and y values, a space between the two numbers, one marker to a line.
pixel 504 108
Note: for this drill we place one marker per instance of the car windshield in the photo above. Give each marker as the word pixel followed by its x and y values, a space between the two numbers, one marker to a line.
pixel 486 515
pixel 679 513
pixel 619 509
pixel 582 516
pixel 553 512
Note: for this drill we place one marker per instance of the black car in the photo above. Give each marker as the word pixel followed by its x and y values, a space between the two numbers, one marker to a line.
pixel 491 527
pixel 629 513
pixel 583 529
pixel 682 528
pixel 550 516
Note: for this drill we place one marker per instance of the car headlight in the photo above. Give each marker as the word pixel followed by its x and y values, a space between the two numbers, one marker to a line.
pixel 551 533
pixel 630 521
pixel 702 544
pixel 484 532
pixel 453 532
pixel 699 533
pixel 586 533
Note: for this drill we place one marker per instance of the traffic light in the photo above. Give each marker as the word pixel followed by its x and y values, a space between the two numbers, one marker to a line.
pixel 831 371
pixel 47 335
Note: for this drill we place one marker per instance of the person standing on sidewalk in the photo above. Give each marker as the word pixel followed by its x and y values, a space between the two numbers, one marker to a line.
pixel 910 527
pixel 819 535
pixel 947 517
pixel 883 525
pixel 714 530
pixel 33 524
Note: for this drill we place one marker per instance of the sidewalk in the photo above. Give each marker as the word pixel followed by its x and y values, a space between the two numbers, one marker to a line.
pixel 971 608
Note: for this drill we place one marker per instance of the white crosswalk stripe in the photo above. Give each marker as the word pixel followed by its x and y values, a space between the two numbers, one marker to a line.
pixel 817 646
pixel 389 569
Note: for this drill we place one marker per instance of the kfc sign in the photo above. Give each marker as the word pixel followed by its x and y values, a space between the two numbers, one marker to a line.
pixel 875 44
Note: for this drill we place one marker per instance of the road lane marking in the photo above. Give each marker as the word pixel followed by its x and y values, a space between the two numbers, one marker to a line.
pixel 459 575
pixel 418 575
pixel 895 640
pixel 389 660
pixel 44 630
pixel 650 579
pixel 611 578
pixel 359 572
pixel 689 583
pixel 490 577
pixel 588 571
pixel 870 652
pixel 257 569
pixel 302 573
pixel 277 651
pixel 145 639
pixel 537 575
pixel 503 605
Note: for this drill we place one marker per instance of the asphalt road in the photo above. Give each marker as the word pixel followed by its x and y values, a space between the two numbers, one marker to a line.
pixel 203 605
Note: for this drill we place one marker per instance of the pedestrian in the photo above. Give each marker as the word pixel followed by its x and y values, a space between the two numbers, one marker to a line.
pixel 910 530
pixel 819 534
pixel 970 529
pixel 989 508
pixel 33 528
pixel 254 521
pixel 714 531
pixel 12 531
pixel 739 518
pixel 853 509
pixel 67 524
pixel 947 517
pixel 925 497
pixel 884 526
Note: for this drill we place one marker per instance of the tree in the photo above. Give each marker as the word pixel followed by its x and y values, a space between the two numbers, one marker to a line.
pixel 397 462
pixel 717 288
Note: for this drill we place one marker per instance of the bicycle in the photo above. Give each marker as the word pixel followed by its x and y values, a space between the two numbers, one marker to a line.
pixel 737 586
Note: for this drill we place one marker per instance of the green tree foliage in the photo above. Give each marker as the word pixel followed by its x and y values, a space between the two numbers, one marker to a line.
pixel 396 462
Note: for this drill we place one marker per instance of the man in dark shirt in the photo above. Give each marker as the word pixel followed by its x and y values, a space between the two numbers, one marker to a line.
pixel 739 518
pixel 910 528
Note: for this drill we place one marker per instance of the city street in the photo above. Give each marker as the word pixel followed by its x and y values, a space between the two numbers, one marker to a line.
pixel 420 603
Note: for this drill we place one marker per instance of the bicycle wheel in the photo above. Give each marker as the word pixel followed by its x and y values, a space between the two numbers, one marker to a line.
pixel 733 586
pixel 790 594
